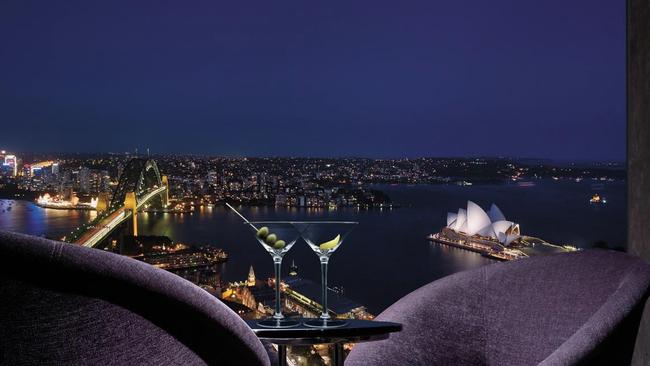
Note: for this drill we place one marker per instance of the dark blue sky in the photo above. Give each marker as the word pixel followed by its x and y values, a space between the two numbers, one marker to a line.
pixel 365 78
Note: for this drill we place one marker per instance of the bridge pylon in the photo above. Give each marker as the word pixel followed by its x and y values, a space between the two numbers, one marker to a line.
pixel 130 203
pixel 165 196
pixel 102 202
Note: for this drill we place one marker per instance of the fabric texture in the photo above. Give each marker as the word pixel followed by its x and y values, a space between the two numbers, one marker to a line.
pixel 65 304
pixel 564 309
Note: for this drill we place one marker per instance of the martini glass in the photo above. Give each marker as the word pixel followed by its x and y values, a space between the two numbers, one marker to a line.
pixel 277 237
pixel 324 238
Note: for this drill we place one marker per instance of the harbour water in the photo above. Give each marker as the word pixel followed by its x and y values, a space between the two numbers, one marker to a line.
pixel 387 255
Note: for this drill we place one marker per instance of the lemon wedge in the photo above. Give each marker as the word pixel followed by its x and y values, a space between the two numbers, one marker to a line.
pixel 330 244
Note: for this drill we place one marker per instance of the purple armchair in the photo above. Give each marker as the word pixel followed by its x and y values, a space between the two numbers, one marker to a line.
pixel 566 309
pixel 65 304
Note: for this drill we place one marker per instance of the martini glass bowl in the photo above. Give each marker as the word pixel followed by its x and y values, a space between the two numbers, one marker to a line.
pixel 324 238
pixel 277 238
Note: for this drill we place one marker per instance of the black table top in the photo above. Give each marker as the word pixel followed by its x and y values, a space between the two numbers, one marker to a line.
pixel 354 331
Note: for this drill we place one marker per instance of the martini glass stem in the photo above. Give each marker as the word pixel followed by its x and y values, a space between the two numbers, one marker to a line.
pixel 277 263
pixel 323 276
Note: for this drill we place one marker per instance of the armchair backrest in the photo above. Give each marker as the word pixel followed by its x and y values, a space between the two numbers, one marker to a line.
pixel 65 304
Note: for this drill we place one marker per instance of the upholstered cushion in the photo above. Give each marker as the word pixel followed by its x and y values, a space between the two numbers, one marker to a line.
pixel 554 310
pixel 65 304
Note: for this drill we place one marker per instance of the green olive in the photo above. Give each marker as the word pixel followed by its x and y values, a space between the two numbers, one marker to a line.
pixel 271 239
pixel 279 244
pixel 263 232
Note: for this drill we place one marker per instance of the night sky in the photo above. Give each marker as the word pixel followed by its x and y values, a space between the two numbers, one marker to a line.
pixel 377 78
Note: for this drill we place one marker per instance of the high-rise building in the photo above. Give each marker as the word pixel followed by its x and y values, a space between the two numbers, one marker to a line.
pixel 12 162
pixel 84 180
pixel 262 180
pixel 211 178
pixel 120 169
pixel 104 182
pixel 93 181
pixel 6 170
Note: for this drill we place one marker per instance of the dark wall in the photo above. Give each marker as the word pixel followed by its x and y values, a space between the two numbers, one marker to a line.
pixel 638 156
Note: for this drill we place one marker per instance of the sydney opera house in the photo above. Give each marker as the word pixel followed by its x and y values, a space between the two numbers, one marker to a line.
pixel 488 233
pixel 492 224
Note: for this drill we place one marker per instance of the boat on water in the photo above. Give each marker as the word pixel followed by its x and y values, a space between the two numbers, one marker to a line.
pixel 597 199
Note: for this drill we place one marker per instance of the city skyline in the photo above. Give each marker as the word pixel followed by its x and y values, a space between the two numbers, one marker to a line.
pixel 35 156
pixel 99 196
pixel 365 80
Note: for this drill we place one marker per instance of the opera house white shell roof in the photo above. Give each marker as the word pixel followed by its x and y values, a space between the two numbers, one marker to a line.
pixel 475 221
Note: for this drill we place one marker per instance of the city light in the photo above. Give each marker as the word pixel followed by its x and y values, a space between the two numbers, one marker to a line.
pixel 57 202
pixel 12 161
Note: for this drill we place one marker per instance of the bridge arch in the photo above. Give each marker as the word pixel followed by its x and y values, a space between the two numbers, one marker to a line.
pixel 139 176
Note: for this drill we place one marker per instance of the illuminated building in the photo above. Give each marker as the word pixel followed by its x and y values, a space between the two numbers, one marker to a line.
pixel 303 294
pixel 84 180
pixel 474 221
pixel 39 166
pixel 491 235
pixel 12 162
pixel 251 278
pixel 59 202
pixel 212 178
pixel 298 299
pixel 488 233
pixel 6 170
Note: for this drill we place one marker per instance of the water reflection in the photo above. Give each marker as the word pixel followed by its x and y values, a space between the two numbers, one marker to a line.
pixel 26 217
pixel 387 256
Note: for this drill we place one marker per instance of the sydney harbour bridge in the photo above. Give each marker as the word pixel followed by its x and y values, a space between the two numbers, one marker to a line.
pixel 140 185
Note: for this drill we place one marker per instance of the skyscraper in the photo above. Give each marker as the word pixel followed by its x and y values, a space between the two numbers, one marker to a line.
pixel 12 162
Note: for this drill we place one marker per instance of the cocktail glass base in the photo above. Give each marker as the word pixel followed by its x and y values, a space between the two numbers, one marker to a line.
pixel 278 323
pixel 325 323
